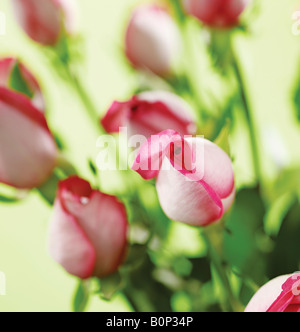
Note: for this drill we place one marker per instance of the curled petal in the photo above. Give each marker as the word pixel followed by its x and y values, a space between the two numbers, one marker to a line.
pixel 151 154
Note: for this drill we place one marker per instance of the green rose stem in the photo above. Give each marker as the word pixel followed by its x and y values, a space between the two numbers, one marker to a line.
pixel 65 56
pixel 213 237
pixel 62 62
pixel 192 81
pixel 132 301
pixel 248 114
pixel 138 299
pixel 188 81
pixel 86 100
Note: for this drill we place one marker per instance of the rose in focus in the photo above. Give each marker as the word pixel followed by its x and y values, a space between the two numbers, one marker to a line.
pixel 194 177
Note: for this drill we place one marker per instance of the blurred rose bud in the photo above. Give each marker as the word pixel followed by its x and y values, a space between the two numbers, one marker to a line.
pixel 278 295
pixel 45 20
pixel 195 180
pixel 88 232
pixel 216 13
pixel 15 76
pixel 28 150
pixel 152 40
pixel 149 113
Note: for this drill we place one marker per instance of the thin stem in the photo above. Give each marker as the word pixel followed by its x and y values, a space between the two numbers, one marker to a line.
pixel 64 57
pixel 180 16
pixel 249 117
pixel 217 263
pixel 192 82
pixel 86 100
pixel 140 298
pixel 131 300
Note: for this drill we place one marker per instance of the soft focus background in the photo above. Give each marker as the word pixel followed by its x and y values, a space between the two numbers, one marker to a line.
pixel 271 62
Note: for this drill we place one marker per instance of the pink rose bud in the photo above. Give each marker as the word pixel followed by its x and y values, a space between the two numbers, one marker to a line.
pixel 28 151
pixel 13 72
pixel 152 40
pixel 195 180
pixel 278 295
pixel 45 20
pixel 216 13
pixel 88 232
pixel 149 113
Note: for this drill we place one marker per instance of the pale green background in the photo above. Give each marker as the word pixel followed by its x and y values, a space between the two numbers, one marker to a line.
pixel 271 57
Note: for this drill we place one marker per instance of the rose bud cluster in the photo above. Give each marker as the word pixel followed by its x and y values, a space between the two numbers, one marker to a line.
pixel 278 295
pixel 88 230
pixel 149 113
pixel 152 40
pixel 45 21
pixel 194 177
pixel 15 76
pixel 217 13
